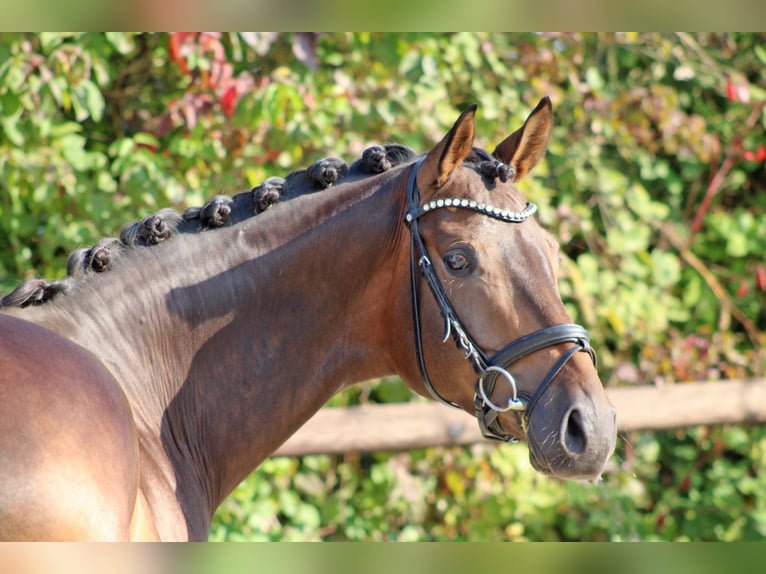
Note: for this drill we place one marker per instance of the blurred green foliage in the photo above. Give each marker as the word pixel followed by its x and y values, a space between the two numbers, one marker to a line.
pixel 654 184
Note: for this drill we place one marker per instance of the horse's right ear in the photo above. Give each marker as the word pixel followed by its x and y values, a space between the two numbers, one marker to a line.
pixel 449 153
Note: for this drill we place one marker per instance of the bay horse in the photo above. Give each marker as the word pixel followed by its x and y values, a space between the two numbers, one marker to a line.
pixel 133 403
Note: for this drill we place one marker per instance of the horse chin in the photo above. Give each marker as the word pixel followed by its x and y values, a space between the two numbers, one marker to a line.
pixel 561 469
pixel 545 469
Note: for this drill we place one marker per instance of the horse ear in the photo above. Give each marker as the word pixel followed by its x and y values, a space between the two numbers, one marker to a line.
pixel 449 153
pixel 526 146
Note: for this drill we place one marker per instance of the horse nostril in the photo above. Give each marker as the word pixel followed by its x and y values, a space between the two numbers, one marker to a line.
pixel 574 434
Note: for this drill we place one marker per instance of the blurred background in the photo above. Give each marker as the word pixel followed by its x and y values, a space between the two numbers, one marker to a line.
pixel 654 184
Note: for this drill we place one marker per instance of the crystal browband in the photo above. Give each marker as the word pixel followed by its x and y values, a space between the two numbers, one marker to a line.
pixel 484 209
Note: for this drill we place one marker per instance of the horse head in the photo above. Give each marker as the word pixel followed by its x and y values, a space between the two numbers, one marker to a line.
pixel 519 365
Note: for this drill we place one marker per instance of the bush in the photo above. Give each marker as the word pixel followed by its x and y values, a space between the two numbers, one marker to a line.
pixel 654 184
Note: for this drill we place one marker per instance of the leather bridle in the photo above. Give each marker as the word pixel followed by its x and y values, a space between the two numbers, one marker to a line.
pixel 488 369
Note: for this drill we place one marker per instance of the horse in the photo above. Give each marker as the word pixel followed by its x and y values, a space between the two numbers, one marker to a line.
pixel 135 401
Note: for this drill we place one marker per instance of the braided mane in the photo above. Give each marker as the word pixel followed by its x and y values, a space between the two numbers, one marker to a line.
pixel 223 211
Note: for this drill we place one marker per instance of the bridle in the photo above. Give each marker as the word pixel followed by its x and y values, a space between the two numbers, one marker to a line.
pixel 488 369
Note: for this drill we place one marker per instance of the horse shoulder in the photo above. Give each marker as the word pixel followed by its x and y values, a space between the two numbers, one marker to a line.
pixel 67 440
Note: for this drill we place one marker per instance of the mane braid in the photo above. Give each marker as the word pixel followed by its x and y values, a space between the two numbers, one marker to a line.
pixel 220 211
pixel 489 166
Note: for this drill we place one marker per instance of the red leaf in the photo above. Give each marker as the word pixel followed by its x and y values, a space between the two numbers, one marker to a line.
pixel 174 50
pixel 229 100
pixel 758 155
pixel 150 148
pixel 760 276
pixel 737 91
pixel 742 291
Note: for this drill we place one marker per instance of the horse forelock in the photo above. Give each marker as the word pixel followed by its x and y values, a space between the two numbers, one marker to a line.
pixel 489 166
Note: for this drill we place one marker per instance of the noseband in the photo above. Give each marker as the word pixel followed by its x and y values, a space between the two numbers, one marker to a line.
pixel 488 369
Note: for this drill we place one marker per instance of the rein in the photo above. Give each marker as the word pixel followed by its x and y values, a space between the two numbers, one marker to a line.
pixel 488 369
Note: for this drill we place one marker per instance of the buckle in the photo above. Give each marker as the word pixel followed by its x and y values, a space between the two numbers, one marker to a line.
pixel 514 403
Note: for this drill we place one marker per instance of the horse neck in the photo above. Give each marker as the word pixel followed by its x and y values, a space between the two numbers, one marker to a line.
pixel 249 330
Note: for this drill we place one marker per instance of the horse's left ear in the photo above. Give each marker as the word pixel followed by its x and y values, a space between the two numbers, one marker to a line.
pixel 526 146
pixel 449 153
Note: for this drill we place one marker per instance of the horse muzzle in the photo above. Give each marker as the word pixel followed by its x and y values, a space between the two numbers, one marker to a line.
pixel 571 433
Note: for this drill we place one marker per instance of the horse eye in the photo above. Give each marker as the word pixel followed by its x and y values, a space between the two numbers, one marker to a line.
pixel 456 261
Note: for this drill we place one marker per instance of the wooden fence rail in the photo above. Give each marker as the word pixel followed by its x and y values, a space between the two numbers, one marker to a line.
pixel 417 425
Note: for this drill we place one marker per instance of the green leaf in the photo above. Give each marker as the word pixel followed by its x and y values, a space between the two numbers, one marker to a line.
pixel 594 79
pixel 147 139
pixel 63 129
pixel 121 41
pixel 14 79
pixel 51 40
pixel 736 243
pixel 10 125
pixel 73 149
pixel 88 102
pixel 666 268
pixel 9 104
pixel 628 237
